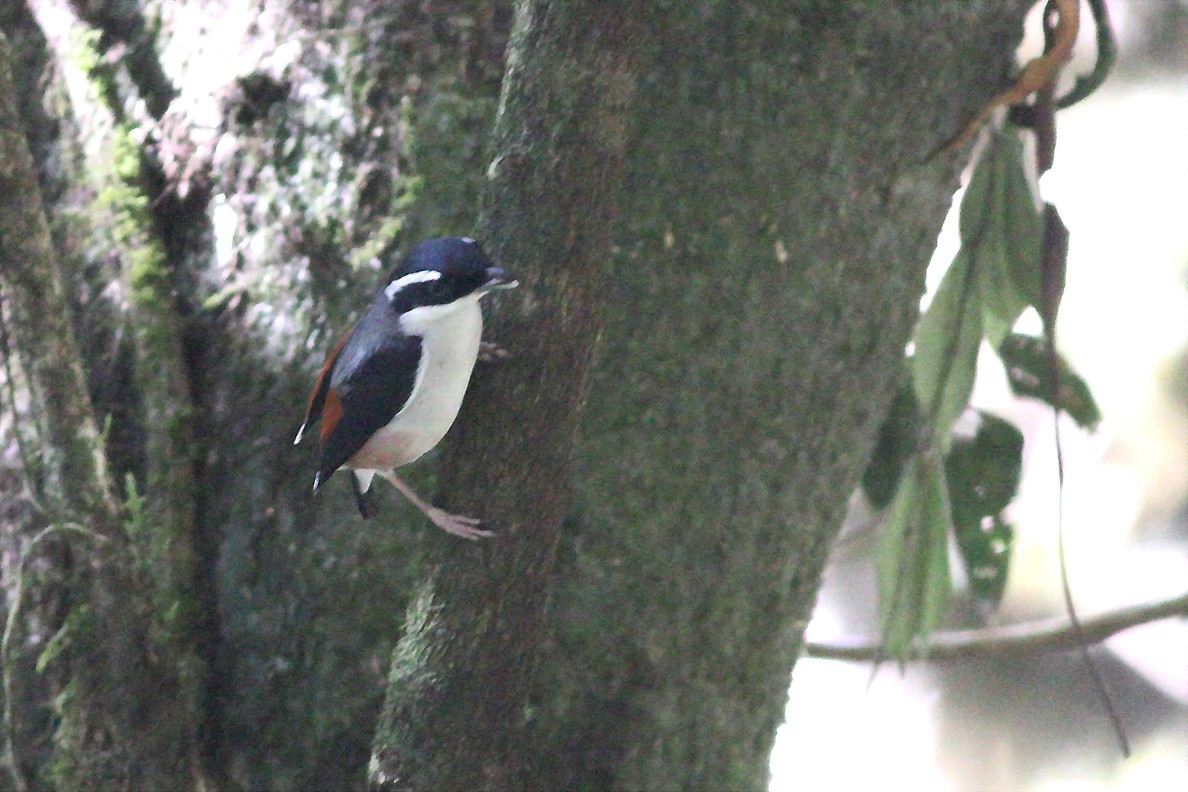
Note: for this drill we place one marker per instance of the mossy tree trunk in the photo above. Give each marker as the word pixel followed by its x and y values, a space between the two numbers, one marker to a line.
pixel 455 714
pixel 779 223
pixel 778 215
pixel 305 155
pixel 120 720
pixel 725 205
pixel 132 218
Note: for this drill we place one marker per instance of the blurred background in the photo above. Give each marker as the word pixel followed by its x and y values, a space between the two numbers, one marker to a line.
pixel 1033 721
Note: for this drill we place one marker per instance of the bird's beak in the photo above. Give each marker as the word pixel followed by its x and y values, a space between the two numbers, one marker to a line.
pixel 499 278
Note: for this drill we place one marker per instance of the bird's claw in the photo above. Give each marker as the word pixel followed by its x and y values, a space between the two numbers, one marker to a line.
pixel 458 525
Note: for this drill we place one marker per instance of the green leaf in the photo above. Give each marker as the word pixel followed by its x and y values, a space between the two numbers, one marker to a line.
pixel 894 563
pixel 986 555
pixel 1029 372
pixel 947 339
pixel 935 525
pixel 993 278
pixel 982 473
pixel 914 582
pixel 897 443
pixel 1023 223
pixel 982 242
pixel 1001 233
pixel 979 193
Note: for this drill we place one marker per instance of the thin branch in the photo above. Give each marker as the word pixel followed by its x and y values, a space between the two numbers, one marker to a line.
pixel 1037 73
pixel 1047 635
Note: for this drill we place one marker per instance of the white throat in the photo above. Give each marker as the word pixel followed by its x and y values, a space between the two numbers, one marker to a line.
pixel 448 319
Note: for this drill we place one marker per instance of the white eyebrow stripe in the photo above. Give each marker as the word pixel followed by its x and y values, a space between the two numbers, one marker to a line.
pixel 395 286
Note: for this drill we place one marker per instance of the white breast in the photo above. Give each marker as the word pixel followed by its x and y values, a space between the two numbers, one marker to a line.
pixel 450 337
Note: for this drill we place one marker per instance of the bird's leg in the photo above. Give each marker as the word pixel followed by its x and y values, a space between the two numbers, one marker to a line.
pixel 465 527
pixel 363 496
pixel 490 352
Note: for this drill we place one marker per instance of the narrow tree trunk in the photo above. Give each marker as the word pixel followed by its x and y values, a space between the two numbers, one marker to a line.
pixel 163 530
pixel 71 452
pixel 456 709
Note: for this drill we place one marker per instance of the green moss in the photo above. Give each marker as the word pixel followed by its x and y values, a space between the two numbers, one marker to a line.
pixel 160 521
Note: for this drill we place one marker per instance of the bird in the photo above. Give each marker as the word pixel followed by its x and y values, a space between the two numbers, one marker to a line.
pixel 392 386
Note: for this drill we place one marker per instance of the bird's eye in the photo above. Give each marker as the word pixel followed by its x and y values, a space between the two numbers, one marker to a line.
pixel 436 289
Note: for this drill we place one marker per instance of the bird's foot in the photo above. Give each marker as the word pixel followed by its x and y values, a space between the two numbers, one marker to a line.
pixel 456 524
pixel 366 503
pixel 490 352
pixel 364 497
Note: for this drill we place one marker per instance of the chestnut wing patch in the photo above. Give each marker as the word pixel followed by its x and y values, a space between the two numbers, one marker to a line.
pixel 365 392
pixel 317 399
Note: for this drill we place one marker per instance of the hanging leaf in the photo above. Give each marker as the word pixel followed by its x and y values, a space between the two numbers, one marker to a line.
pixel 897 443
pixel 1029 372
pixel 947 339
pixel 986 555
pixel 994 277
pixel 914 559
pixel 982 474
pixel 1000 233
pixel 982 241
pixel 1054 266
pixel 973 219
pixel 1022 228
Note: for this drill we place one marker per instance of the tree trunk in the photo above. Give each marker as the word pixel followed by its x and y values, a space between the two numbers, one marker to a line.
pixel 781 219
pixel 72 455
pixel 732 195
pixel 455 715
pixel 779 216
pixel 120 723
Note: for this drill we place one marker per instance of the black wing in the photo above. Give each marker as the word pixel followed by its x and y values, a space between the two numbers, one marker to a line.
pixel 366 390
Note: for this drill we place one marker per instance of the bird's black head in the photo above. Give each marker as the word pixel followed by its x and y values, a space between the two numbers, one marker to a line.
pixel 442 271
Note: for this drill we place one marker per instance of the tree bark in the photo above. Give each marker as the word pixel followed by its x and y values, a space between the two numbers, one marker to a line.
pixel 753 297
pixel 71 452
pixel 780 218
pixel 455 715
pixel 778 221
pixel 116 169
pixel 118 725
